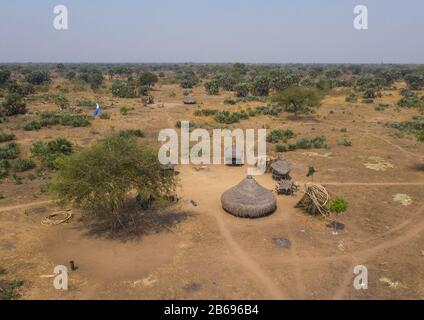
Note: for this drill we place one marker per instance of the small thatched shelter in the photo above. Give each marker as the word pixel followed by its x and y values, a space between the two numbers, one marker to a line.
pixel 189 100
pixel 248 199
pixel 281 169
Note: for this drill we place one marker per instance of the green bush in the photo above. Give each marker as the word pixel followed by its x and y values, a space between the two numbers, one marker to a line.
pixel 85 103
pixel 338 205
pixel 241 90
pixel 99 178
pixel 38 77
pixel 9 152
pixel 123 89
pixel 229 118
pixel 205 112
pixel 420 136
pixel 47 153
pixel 4 167
pixel 131 133
pixel 62 102
pixel 13 104
pixel 6 136
pixel 280 148
pixel 32 126
pixel 212 87
pixel 22 165
pixel 277 135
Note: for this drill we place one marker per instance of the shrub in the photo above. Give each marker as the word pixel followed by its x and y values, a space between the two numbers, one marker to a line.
pixel 338 205
pixel 9 152
pixel 22 165
pixel 212 87
pixel 13 105
pixel 47 153
pixel 32 126
pixel 62 102
pixel 131 133
pixel 413 126
pixel 230 101
pixel 241 90
pixel 92 76
pixel 6 136
pixel 352 98
pixel 205 112
pixel 381 107
pixel 123 89
pixel 410 100
pixel 85 103
pixel 99 178
pixel 188 80
pixel 38 77
pixel 229 118
pixel 4 167
pixel 105 116
pixel 277 135
pixel 420 136
pixel 124 110
pixel 345 142
pixel 280 148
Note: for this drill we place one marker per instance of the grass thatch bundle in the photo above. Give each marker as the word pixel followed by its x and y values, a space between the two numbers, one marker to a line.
pixel 315 199
pixel 248 199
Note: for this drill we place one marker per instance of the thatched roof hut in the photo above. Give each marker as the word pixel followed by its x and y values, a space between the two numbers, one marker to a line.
pixel 189 100
pixel 281 169
pixel 248 199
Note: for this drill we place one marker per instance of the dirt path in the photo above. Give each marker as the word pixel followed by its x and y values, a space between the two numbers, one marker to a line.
pixel 247 262
pixel 361 257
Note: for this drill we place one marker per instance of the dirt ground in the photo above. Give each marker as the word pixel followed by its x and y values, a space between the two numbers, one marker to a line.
pixel 201 252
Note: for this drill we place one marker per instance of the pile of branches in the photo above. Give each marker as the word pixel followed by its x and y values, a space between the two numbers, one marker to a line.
pixel 315 200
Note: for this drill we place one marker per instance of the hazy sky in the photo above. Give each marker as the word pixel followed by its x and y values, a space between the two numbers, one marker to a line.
pixel 279 31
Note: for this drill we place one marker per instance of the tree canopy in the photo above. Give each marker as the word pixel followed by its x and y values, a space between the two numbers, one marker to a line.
pixel 298 100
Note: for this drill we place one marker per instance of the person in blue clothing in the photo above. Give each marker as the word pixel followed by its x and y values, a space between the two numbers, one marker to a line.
pixel 97 111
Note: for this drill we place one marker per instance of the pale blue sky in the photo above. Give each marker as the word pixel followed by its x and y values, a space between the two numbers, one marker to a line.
pixel 277 31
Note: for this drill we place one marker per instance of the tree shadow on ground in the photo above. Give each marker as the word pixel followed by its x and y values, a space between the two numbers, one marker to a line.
pixel 134 222
pixel 417 166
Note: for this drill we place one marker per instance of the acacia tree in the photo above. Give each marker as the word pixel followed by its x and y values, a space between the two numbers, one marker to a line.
pixel 99 178
pixel 148 79
pixel 298 100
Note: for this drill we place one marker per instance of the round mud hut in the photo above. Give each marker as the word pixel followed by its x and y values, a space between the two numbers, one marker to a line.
pixel 248 199
pixel 189 100
pixel 281 169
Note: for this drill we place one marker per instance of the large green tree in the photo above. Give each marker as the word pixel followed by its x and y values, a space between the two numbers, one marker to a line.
pixel 298 100
pixel 100 178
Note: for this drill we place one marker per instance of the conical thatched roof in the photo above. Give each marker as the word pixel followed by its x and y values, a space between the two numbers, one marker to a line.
pixel 281 167
pixel 248 199
pixel 189 100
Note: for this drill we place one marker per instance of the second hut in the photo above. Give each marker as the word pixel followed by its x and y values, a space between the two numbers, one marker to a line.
pixel 281 169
